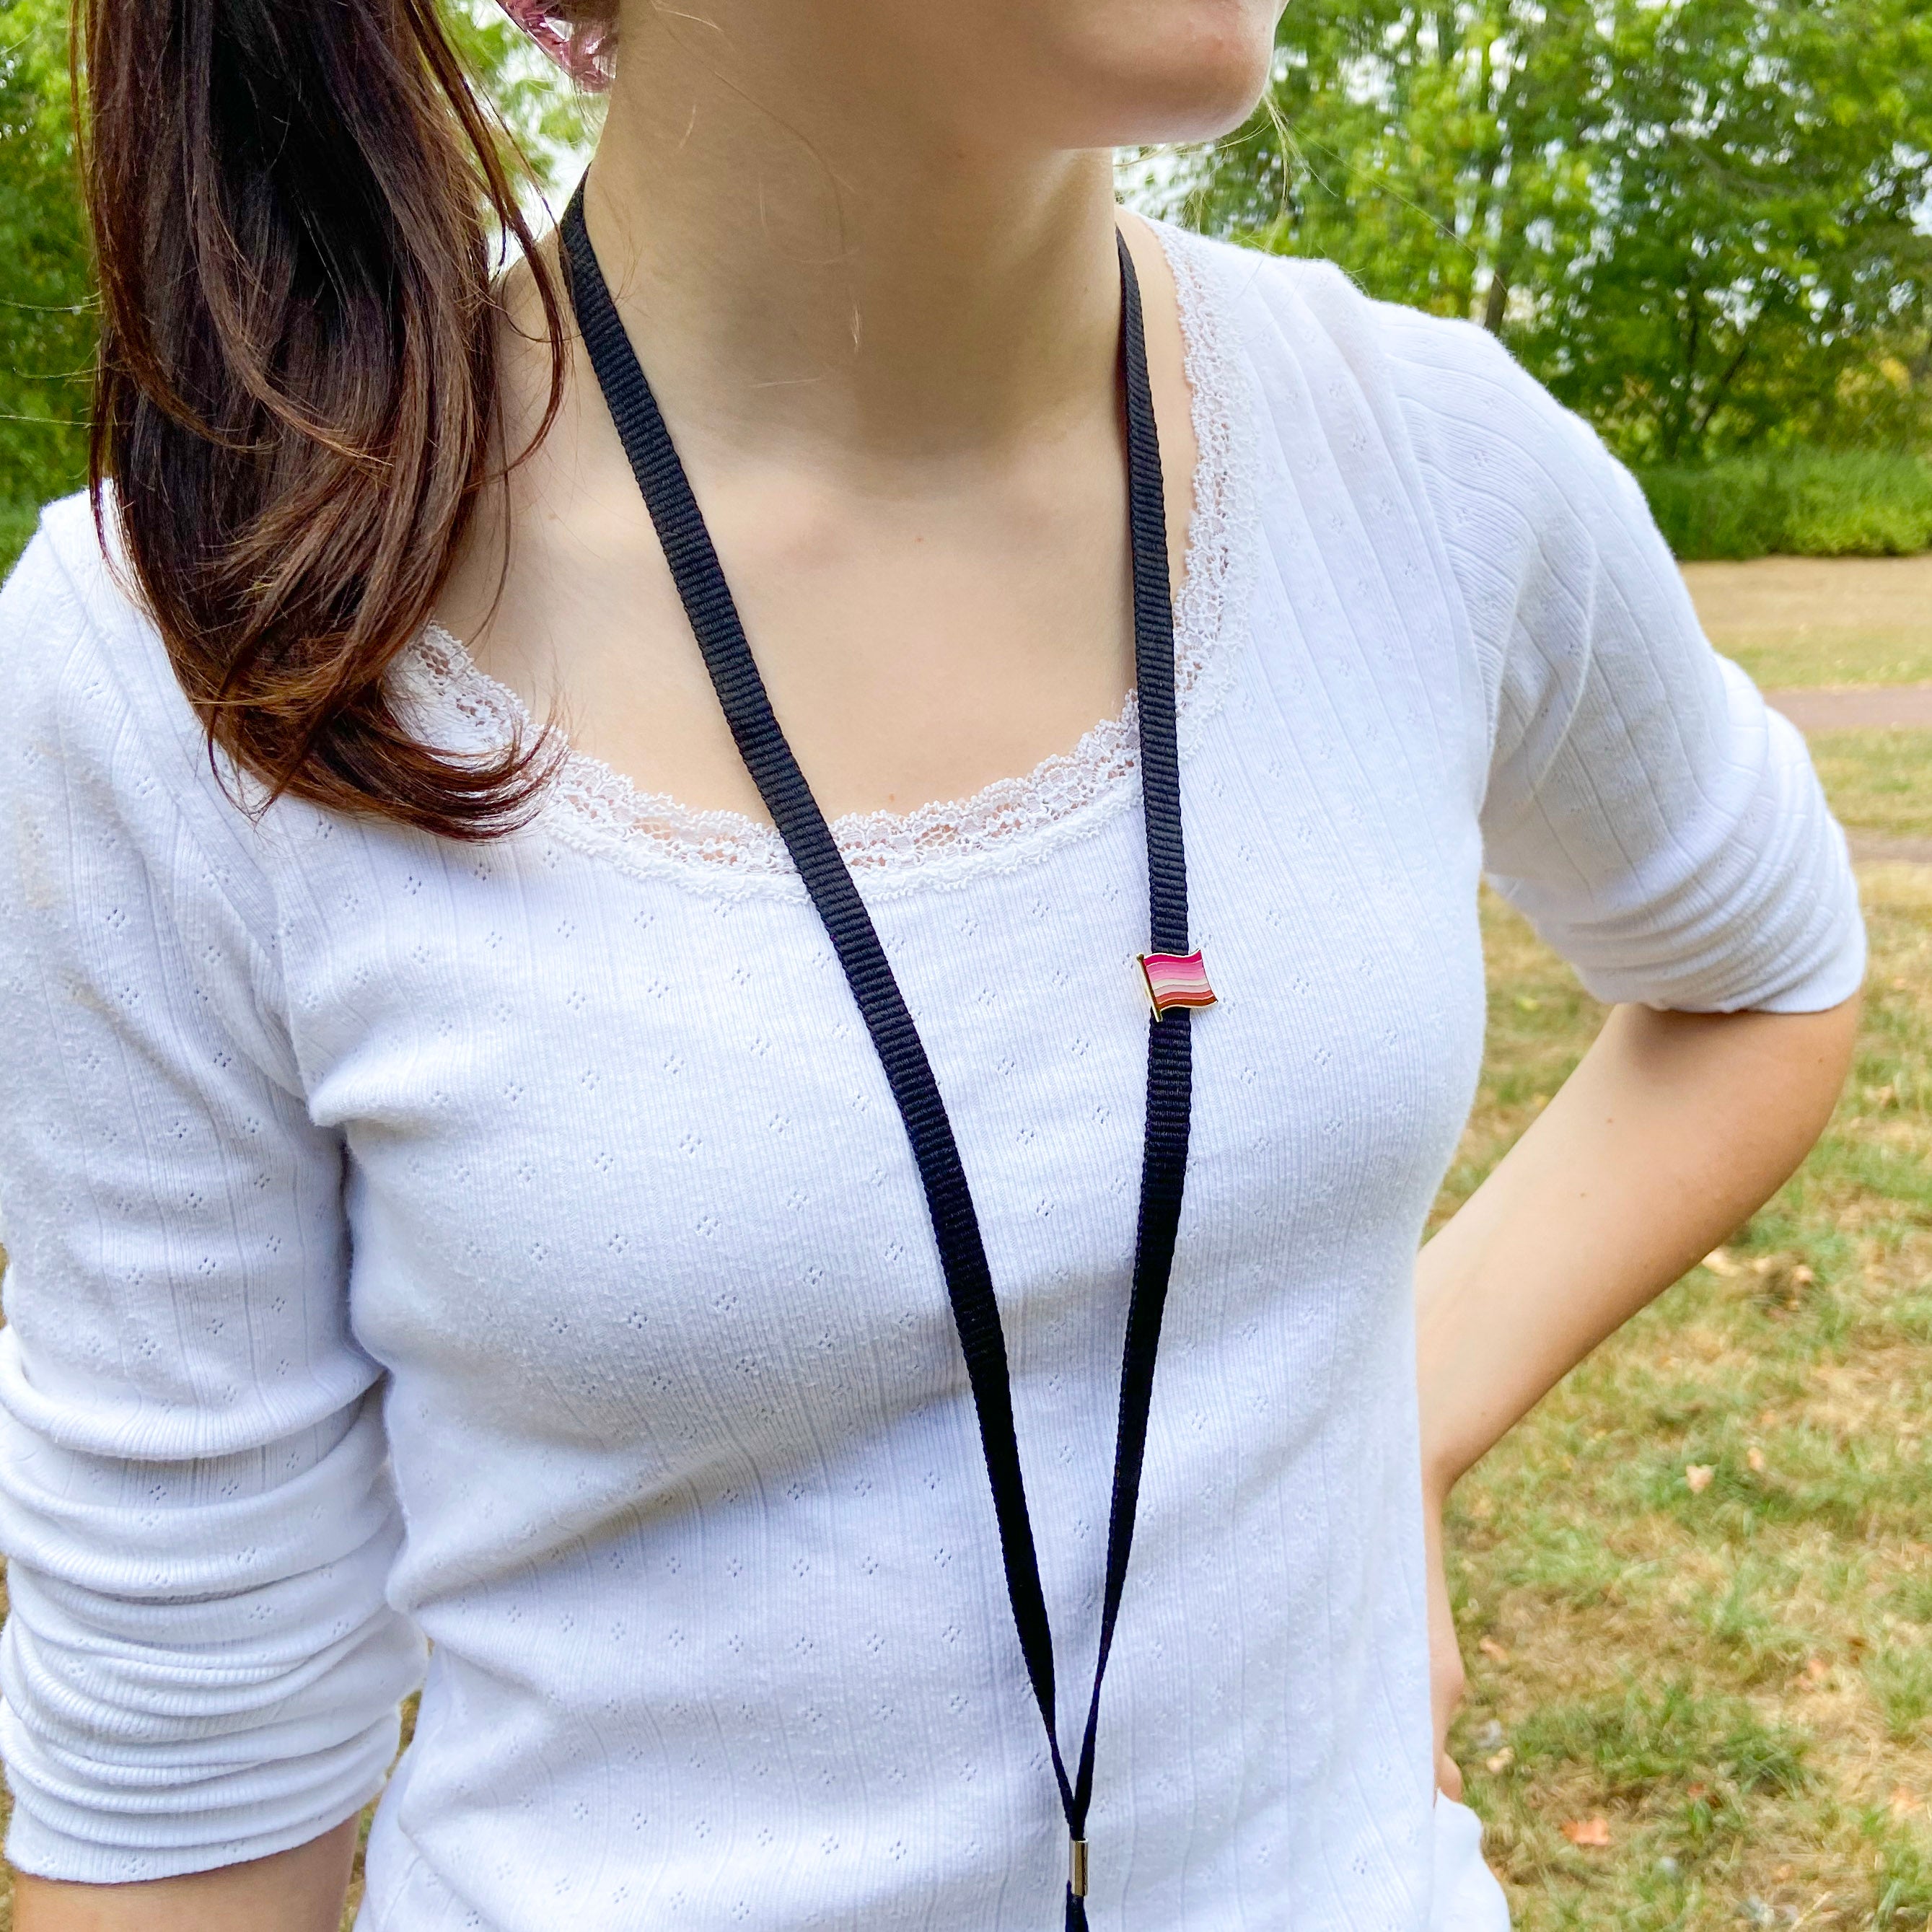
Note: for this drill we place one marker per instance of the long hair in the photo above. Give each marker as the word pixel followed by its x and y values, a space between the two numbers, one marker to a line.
pixel 293 203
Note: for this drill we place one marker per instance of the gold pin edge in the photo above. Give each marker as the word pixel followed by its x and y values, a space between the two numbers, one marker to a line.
pixel 1154 1003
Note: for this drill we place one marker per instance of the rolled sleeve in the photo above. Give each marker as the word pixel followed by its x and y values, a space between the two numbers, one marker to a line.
pixel 1657 824
pixel 199 1666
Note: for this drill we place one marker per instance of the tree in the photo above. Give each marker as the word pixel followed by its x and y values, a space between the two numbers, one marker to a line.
pixel 1702 223
pixel 46 309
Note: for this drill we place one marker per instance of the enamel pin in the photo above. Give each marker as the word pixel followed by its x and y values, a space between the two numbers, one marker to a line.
pixel 1174 981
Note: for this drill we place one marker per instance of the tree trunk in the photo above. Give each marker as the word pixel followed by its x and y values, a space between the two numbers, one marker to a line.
pixel 1496 302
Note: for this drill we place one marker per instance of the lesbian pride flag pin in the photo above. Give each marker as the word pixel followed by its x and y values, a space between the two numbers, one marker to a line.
pixel 1174 981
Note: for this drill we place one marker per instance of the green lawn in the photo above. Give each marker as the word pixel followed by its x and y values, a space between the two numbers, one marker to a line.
pixel 1879 780
pixel 1786 661
pixel 1792 622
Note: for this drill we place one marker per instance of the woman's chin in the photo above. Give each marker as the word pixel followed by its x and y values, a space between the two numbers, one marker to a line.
pixel 1159 70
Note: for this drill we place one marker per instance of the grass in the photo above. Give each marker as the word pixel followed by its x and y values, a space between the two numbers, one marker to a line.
pixel 1796 503
pixel 1879 780
pixel 1794 660
pixel 1796 621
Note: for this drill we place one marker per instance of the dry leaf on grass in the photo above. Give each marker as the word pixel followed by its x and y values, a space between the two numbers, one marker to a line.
pixel 1903 1803
pixel 1593 1832
pixel 1754 1456
pixel 1492 1650
pixel 1698 1475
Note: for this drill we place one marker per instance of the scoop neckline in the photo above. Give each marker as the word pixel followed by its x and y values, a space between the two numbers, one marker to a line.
pixel 594 808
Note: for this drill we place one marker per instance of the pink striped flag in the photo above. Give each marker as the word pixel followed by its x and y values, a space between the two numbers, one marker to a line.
pixel 1173 981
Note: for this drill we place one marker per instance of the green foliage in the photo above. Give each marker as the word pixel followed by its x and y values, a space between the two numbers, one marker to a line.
pixel 46 310
pixel 16 525
pixel 1796 502
pixel 551 127
pixel 46 322
pixel 1697 220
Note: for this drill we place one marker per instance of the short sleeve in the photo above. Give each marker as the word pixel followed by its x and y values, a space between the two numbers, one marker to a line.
pixel 199 1666
pixel 1659 826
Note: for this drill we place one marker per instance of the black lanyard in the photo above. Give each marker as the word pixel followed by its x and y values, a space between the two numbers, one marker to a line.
pixel 741 691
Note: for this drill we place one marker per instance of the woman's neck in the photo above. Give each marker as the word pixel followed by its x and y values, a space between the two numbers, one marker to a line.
pixel 806 257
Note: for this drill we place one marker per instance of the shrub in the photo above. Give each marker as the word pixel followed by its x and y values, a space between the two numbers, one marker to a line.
pixel 1798 503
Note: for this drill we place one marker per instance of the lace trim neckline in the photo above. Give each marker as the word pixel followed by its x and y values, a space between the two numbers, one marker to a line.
pixel 595 809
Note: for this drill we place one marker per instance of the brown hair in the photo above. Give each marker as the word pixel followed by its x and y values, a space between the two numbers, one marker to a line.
pixel 291 202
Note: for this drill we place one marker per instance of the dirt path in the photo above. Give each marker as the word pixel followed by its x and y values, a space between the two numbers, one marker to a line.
pixel 1786 594
pixel 1881 707
pixel 1873 848
pixel 1873 707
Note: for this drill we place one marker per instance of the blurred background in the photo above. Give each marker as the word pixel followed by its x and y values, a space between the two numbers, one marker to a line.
pixel 1695 1588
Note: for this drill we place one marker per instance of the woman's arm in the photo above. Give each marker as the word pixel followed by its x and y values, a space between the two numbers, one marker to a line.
pixel 200 1665
pixel 298 1891
pixel 1665 833
pixel 1675 1127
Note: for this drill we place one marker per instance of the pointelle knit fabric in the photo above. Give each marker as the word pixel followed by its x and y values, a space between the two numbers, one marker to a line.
pixel 516 1248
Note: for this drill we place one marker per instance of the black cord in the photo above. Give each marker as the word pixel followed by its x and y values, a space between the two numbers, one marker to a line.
pixel 714 623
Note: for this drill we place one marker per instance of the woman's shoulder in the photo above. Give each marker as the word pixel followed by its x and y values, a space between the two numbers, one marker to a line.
pixel 103 739
pixel 1307 326
pixel 1434 406
pixel 75 647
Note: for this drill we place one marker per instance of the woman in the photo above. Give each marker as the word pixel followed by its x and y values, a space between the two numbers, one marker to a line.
pixel 455 1188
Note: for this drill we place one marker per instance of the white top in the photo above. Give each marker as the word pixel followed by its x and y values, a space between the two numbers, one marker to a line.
pixel 518 1246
